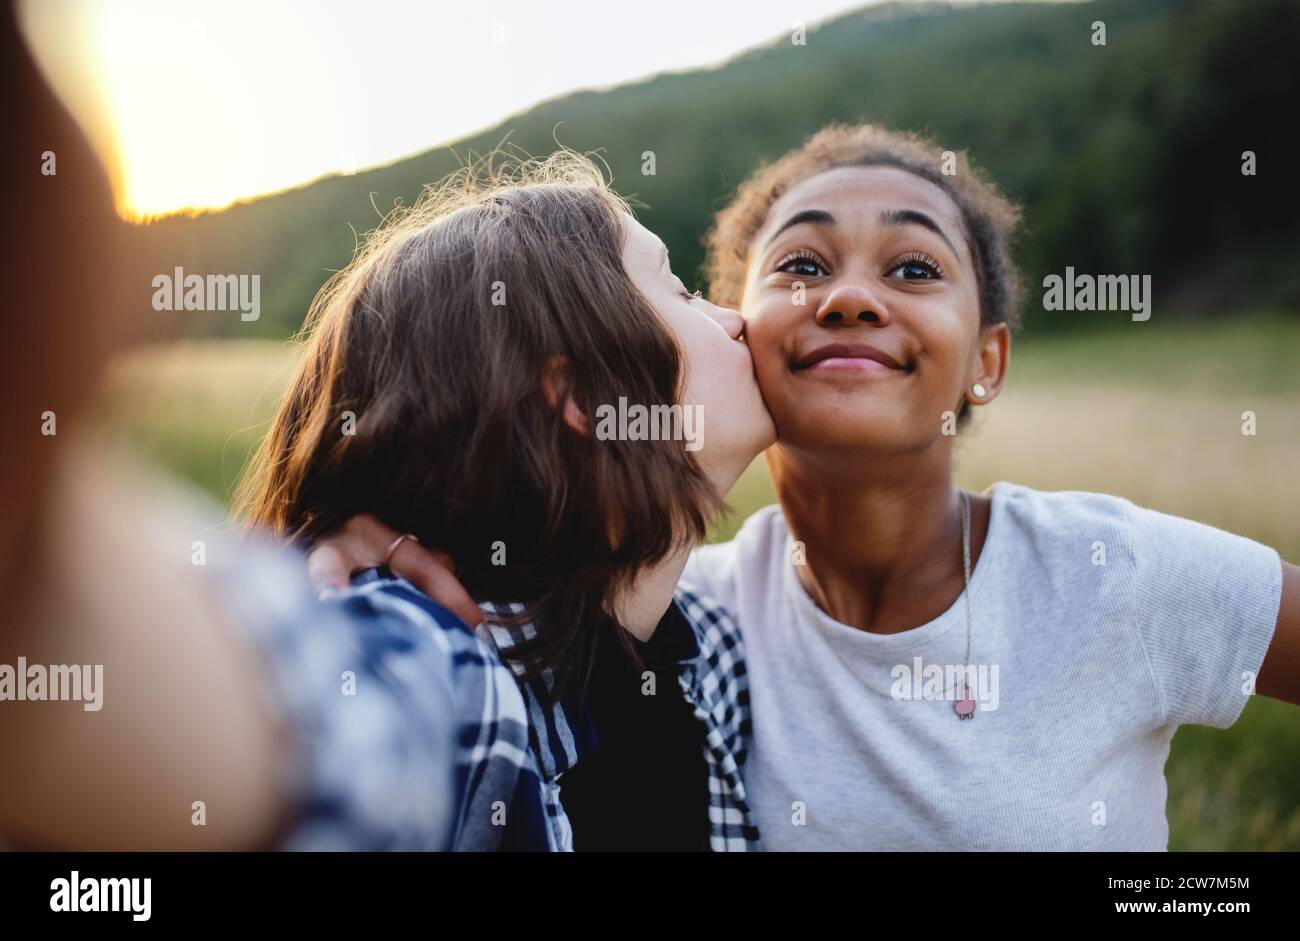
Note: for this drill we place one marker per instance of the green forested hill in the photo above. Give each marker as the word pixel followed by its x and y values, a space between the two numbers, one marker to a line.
pixel 1127 156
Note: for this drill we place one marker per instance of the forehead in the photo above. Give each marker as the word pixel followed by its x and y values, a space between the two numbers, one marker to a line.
pixel 857 195
pixel 640 243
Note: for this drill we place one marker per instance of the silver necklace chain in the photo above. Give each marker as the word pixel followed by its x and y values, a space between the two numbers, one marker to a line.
pixel 965 564
pixel 964 498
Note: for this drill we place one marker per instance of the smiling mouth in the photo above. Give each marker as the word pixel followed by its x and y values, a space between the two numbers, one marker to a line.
pixel 849 358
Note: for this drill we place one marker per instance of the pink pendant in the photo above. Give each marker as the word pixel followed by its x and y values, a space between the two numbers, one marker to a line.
pixel 965 707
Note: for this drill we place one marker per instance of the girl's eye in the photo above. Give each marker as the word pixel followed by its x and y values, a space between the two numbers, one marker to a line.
pixel 916 267
pixel 802 263
pixel 692 295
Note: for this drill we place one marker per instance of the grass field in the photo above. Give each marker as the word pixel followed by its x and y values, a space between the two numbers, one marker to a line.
pixel 1149 411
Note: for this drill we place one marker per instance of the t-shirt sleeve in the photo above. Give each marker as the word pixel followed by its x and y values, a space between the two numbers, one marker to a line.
pixel 1206 604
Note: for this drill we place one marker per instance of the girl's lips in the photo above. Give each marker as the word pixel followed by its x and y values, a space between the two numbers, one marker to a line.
pixel 849 364
pixel 855 356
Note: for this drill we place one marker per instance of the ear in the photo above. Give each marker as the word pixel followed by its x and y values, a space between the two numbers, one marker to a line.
pixel 994 361
pixel 557 381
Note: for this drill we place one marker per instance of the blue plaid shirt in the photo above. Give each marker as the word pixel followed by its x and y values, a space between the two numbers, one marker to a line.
pixel 407 732
pixel 496 789
pixel 411 733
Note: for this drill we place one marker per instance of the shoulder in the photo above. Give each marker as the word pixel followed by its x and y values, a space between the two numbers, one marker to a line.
pixel 761 529
pixel 1171 570
pixel 713 570
pixel 1059 511
pixel 1143 535
pixel 415 636
pixel 393 612
pixel 412 647
pixel 1057 530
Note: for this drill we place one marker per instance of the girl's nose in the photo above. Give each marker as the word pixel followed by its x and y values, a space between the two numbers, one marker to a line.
pixel 731 321
pixel 852 303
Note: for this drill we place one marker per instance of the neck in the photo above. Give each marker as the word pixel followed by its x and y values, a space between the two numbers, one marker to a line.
pixel 643 605
pixel 881 533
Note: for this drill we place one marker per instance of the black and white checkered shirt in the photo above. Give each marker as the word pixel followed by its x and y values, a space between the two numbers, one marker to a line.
pixel 700 642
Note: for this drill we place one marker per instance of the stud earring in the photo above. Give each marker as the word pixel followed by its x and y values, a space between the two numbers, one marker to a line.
pixel 978 390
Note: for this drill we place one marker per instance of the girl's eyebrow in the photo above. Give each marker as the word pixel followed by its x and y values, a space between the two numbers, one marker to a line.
pixel 915 217
pixel 888 217
pixel 814 216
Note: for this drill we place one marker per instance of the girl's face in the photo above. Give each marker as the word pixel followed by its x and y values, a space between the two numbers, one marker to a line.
pixel 719 374
pixel 883 337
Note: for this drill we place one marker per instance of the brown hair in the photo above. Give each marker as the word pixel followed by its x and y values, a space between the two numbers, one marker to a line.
pixel 990 218
pixel 436 337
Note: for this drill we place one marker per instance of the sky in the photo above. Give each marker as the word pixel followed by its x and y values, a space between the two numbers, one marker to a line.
pixel 197 103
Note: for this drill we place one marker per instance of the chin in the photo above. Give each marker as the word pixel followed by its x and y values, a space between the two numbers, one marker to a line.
pixel 759 426
pixel 841 429
pixel 762 438
pixel 764 433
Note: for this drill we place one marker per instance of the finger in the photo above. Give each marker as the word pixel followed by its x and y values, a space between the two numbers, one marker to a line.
pixel 327 568
pixel 368 538
pixel 360 544
pixel 427 572
pixel 444 560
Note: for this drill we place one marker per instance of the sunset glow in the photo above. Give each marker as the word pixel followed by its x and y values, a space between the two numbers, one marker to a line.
pixel 203 103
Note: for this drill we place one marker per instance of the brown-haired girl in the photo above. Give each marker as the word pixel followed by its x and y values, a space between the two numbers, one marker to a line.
pixel 467 380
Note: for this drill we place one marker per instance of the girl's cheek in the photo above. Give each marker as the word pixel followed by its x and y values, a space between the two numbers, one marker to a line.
pixel 760 333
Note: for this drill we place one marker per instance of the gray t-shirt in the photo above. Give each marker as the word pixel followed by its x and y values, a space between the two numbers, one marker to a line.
pixel 1098 628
